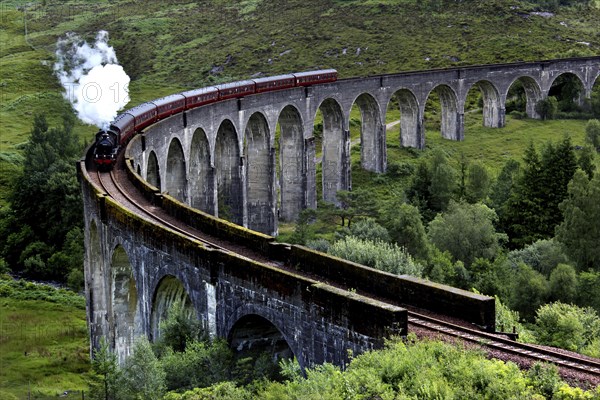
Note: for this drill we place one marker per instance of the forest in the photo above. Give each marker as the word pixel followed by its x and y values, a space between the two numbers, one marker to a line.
pixel 522 226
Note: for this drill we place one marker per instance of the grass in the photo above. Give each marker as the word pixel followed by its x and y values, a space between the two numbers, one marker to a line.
pixel 44 347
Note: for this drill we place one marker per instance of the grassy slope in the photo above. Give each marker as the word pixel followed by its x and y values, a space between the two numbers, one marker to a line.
pixel 43 348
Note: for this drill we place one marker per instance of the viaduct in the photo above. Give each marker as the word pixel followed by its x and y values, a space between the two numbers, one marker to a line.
pixel 253 162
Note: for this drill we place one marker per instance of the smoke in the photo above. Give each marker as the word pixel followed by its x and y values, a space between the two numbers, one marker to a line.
pixel 95 84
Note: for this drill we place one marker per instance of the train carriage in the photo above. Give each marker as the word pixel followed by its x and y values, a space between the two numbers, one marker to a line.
pixel 236 89
pixel 169 105
pixel 199 97
pixel 274 83
pixel 314 77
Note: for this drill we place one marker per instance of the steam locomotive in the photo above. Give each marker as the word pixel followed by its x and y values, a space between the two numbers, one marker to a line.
pixel 125 125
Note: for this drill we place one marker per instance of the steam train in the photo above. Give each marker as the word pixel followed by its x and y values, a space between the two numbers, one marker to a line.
pixel 125 125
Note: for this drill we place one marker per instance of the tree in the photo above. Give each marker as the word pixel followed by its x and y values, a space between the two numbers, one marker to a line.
pixel 180 328
pixel 405 227
pixel 592 133
pixel 143 376
pixel 369 229
pixel 585 161
pixel 567 326
pixel 50 178
pixel 579 231
pixel 443 181
pixel 588 291
pixel 466 231
pixel 563 283
pixel 532 212
pixel 542 255
pixel 530 290
pixel 502 188
pixel 477 183
pixel 546 108
pixel 357 203
pixel 107 373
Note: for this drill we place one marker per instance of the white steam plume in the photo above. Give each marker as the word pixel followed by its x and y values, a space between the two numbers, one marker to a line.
pixel 94 83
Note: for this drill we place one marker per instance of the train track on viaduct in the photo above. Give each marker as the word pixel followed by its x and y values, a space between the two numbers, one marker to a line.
pixel 117 185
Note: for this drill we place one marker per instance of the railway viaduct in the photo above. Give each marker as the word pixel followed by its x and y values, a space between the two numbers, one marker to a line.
pixel 253 161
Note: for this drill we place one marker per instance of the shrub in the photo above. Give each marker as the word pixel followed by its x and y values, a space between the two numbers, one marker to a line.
pixel 376 254
pixel 567 326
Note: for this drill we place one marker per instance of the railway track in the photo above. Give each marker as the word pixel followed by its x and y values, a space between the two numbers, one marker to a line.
pixel 497 342
pixel 111 186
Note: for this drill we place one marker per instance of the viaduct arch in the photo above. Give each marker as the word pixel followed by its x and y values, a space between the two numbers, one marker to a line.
pixel 229 159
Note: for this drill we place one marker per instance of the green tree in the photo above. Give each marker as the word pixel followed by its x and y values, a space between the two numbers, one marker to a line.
pixel 530 290
pixel 369 229
pixel 567 326
pixel 180 328
pixel 477 183
pixel 542 255
pixel 588 292
pixel 502 188
pixel 546 108
pixel 585 161
pixel 563 283
pixel 579 231
pixel 357 203
pixel 443 181
pixel 106 374
pixel 592 133
pixel 466 231
pixel 142 375
pixel 405 227
pixel 532 212
pixel 50 178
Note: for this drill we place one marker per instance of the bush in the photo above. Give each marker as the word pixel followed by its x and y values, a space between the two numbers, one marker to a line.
pixel 518 114
pixel 376 254
pixel 369 229
pixel 400 169
pixel 567 326
pixel 547 108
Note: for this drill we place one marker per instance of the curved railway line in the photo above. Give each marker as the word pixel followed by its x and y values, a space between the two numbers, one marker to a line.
pixel 579 368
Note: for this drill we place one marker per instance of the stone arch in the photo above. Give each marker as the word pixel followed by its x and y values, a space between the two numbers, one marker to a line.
pixel 169 291
pixel 254 333
pixel 125 314
pixel 411 119
pixel 334 168
pixel 493 108
pixel 175 177
pixel 372 134
pixel 229 177
pixel 451 124
pixel 201 180
pixel 96 287
pixel 153 170
pixel 557 89
pixel 533 94
pixel 291 163
pixel 259 175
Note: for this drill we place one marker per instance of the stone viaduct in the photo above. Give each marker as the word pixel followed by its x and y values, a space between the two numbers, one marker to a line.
pixel 253 161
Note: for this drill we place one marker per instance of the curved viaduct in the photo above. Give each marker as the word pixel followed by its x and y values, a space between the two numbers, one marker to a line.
pixel 230 159
pixel 252 160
